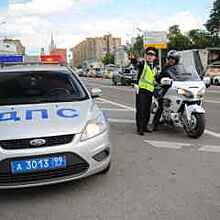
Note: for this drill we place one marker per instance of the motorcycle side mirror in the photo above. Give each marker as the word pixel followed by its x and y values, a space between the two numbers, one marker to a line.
pixel 207 81
pixel 166 81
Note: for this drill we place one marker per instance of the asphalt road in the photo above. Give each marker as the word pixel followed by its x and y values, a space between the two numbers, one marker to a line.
pixel 161 176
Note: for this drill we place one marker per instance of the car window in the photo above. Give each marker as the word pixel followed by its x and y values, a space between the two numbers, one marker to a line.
pixel 32 87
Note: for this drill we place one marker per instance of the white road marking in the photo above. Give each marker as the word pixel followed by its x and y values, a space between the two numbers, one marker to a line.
pixel 123 121
pixel 208 148
pixel 99 102
pixel 178 146
pixel 117 104
pixel 213 91
pixel 116 109
pixel 165 144
pixel 212 133
pixel 212 101
pixel 125 89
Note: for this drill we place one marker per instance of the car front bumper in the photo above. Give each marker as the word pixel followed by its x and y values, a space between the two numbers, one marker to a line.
pixel 88 152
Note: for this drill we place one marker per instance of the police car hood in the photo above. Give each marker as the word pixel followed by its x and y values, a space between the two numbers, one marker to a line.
pixel 42 120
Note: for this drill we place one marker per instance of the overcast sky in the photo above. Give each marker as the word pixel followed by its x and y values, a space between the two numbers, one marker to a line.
pixel 71 21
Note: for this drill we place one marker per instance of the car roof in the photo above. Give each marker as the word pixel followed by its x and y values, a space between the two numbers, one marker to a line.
pixel 33 67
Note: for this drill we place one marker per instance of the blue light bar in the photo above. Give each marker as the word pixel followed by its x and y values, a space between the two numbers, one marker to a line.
pixel 11 59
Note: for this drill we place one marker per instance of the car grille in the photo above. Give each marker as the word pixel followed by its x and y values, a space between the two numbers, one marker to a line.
pixel 75 167
pixel 25 143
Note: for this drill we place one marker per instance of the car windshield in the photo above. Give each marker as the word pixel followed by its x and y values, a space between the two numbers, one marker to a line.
pixel 39 87
pixel 183 73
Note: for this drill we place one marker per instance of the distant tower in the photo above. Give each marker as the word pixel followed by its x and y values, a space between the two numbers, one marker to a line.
pixel 42 52
pixel 52 45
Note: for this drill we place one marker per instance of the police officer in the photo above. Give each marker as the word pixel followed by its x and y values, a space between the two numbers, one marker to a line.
pixel 147 71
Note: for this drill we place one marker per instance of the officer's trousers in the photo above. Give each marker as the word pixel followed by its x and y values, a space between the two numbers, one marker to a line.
pixel 143 108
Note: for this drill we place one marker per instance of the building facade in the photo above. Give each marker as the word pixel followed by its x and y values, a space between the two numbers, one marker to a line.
pixel 52 44
pixel 94 49
pixel 11 46
pixel 121 57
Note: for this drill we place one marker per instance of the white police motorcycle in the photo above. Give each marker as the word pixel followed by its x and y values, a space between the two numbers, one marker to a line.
pixel 183 102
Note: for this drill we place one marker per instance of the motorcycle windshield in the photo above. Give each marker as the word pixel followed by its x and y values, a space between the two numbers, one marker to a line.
pixel 182 73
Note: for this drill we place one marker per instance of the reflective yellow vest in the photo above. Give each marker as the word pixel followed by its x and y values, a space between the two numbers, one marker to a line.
pixel 147 80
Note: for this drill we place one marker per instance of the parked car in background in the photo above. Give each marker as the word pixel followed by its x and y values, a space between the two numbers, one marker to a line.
pixel 91 73
pixel 216 80
pixel 116 75
pixel 86 72
pixel 126 76
pixel 80 72
pixel 213 71
pixel 108 74
pixel 99 72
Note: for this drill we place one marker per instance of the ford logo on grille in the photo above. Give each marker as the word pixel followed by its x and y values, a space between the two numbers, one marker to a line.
pixel 37 142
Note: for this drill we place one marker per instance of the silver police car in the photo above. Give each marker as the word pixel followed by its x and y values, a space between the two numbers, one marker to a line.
pixel 51 130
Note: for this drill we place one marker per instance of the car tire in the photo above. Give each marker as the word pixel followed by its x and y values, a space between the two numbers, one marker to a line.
pixel 106 170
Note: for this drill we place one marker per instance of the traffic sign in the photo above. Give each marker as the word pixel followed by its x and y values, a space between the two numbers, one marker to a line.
pixel 157 39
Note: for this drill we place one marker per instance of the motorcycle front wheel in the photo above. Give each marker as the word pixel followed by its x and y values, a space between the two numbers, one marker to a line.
pixel 196 127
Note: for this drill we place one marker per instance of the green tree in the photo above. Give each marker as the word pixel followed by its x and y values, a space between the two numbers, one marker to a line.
pixel 177 40
pixel 138 48
pixel 108 59
pixel 174 30
pixel 202 39
pixel 213 24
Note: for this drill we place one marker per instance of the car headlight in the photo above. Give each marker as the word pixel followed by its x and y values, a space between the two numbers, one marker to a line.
pixel 201 92
pixel 185 93
pixel 94 128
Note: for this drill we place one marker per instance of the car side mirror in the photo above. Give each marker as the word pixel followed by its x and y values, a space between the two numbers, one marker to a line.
pixel 96 92
pixel 207 81
pixel 166 81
